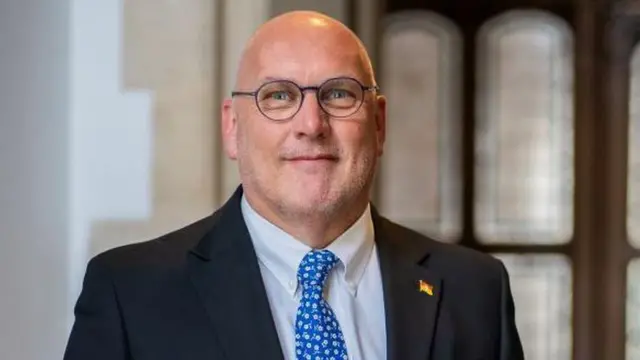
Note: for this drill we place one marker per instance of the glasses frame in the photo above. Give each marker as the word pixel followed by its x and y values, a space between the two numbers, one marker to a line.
pixel 303 90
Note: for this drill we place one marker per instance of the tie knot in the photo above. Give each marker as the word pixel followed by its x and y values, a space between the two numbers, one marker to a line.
pixel 315 267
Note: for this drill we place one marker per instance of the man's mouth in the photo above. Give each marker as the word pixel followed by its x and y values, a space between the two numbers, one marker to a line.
pixel 318 157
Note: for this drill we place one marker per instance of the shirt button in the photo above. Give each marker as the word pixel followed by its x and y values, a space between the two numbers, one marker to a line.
pixel 292 284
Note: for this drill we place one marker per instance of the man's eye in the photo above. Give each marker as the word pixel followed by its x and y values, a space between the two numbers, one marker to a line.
pixel 279 95
pixel 337 94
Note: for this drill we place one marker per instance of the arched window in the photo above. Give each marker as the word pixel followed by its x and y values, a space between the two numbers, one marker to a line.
pixel 420 173
pixel 524 130
pixel 524 166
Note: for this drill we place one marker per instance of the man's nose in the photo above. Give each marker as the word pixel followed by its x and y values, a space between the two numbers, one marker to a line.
pixel 311 120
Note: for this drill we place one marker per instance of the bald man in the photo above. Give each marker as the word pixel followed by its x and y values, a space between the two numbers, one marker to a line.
pixel 297 264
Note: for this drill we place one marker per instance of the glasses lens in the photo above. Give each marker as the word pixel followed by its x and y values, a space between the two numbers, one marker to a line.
pixel 279 100
pixel 341 97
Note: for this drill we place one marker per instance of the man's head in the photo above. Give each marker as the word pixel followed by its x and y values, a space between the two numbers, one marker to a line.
pixel 307 154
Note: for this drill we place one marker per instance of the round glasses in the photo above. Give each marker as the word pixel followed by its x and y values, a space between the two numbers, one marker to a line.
pixel 281 100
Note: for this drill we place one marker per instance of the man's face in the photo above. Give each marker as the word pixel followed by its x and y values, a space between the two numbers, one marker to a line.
pixel 311 162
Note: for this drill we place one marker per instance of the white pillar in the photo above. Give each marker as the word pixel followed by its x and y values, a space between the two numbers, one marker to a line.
pixel 110 132
pixel 143 139
pixel 241 19
pixel 34 178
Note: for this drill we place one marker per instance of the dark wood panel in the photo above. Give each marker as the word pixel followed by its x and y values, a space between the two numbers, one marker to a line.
pixel 473 13
pixel 615 249
pixel 599 250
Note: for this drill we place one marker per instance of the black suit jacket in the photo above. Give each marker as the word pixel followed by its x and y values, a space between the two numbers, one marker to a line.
pixel 197 294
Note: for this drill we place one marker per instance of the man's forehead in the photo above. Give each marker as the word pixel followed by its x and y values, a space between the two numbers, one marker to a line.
pixel 307 76
pixel 311 65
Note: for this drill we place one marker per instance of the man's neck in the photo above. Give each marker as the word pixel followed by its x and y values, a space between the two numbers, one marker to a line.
pixel 321 231
pixel 316 230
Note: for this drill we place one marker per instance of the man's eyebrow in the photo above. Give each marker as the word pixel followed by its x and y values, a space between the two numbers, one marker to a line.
pixel 274 78
pixel 265 79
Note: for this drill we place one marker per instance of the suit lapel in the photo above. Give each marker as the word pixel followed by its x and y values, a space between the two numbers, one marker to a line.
pixel 224 269
pixel 411 314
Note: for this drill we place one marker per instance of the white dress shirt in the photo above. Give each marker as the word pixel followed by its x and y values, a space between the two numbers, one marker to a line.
pixel 353 288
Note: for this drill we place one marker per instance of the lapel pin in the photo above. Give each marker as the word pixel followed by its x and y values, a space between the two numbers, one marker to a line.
pixel 425 287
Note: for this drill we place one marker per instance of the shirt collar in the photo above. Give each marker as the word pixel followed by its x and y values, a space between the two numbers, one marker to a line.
pixel 281 253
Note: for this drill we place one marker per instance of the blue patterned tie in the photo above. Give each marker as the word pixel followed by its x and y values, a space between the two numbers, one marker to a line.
pixel 318 334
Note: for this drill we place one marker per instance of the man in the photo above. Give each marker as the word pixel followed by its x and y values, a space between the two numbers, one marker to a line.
pixel 297 264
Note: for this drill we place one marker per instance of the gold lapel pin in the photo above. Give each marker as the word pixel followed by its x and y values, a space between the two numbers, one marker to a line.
pixel 425 287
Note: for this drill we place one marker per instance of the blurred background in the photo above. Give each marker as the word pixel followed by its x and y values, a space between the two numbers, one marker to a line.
pixel 513 128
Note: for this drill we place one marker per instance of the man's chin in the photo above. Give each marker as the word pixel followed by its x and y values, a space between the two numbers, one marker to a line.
pixel 310 202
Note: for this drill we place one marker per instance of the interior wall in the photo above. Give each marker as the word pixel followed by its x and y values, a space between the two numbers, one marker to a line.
pixel 34 177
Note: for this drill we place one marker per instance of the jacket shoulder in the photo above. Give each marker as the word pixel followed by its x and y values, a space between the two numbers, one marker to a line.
pixel 445 256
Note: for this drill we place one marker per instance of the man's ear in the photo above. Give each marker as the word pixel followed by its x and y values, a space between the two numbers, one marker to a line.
pixel 381 122
pixel 229 129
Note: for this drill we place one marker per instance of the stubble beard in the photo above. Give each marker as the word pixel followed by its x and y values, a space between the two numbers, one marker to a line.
pixel 326 208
